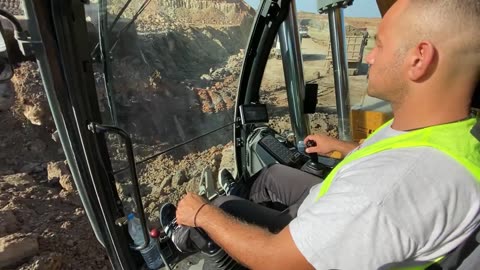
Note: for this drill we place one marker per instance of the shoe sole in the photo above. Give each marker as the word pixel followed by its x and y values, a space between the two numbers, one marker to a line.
pixel 167 216
pixel 219 179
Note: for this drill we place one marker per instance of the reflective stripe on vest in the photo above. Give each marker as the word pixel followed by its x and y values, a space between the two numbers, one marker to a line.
pixel 453 139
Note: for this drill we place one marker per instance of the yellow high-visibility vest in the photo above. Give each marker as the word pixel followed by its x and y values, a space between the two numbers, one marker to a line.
pixel 453 139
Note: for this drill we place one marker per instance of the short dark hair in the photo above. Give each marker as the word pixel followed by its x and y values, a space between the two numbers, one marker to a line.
pixel 448 20
pixel 462 15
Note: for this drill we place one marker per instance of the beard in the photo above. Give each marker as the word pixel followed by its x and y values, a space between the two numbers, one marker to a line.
pixel 386 81
pixel 392 89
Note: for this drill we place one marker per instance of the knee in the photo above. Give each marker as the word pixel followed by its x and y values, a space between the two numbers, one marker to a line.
pixel 274 168
pixel 274 171
pixel 221 200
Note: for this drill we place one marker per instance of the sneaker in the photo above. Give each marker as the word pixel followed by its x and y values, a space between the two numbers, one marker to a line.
pixel 168 220
pixel 226 181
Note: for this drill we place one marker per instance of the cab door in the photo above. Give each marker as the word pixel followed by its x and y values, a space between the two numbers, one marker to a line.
pixel 143 99
pixel 58 38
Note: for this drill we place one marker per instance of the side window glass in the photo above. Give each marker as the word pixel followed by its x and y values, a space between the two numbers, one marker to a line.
pixel 170 82
pixel 361 20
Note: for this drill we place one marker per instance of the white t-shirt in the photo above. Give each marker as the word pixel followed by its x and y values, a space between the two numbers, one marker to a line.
pixel 411 204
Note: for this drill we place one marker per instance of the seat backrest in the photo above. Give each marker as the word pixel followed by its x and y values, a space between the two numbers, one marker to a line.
pixel 476 97
pixel 472 262
pixel 464 257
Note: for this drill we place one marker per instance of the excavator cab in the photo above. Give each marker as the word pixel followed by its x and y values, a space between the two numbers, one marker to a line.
pixel 151 99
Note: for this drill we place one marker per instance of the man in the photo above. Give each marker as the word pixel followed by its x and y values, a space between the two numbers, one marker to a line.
pixel 411 191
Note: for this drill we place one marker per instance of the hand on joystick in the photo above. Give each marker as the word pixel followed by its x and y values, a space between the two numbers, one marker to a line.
pixel 313 156
pixel 313 166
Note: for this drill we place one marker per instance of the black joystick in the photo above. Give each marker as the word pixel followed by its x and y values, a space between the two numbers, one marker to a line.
pixel 313 166
pixel 313 156
pixel 186 239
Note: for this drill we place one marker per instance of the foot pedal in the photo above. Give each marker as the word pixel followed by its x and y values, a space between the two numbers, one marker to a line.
pixel 207 185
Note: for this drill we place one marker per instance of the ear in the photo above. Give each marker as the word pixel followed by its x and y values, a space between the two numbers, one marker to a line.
pixel 421 60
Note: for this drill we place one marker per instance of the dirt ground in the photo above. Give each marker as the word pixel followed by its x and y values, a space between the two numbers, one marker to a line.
pixel 38 201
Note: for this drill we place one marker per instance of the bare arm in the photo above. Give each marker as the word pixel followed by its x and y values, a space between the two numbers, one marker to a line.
pixel 250 245
pixel 326 145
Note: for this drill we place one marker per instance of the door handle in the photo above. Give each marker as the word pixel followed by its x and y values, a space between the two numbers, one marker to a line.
pixel 102 129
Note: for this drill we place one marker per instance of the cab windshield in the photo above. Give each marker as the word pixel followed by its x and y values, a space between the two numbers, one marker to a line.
pixel 167 72
pixel 169 78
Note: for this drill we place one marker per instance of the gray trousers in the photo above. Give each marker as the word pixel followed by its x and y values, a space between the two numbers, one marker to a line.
pixel 278 184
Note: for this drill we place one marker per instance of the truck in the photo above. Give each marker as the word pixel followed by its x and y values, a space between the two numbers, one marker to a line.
pixel 356 44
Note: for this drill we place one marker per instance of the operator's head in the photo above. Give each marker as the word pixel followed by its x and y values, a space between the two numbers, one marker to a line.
pixel 427 50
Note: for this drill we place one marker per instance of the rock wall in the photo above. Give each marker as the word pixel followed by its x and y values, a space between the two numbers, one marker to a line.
pixel 12 6
pixel 226 6
pixel 192 52
pixel 219 12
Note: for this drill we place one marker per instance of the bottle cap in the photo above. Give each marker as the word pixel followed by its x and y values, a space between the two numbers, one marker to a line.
pixel 131 216
pixel 154 233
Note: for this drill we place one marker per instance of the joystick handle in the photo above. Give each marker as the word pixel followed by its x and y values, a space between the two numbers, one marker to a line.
pixel 313 156
pixel 313 166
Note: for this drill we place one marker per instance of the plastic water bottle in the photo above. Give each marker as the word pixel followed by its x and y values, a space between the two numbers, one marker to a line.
pixel 301 147
pixel 151 254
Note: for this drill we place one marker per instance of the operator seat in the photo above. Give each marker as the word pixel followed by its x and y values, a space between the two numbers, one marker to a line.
pixel 473 260
pixel 476 105
pixel 467 255
pixel 476 97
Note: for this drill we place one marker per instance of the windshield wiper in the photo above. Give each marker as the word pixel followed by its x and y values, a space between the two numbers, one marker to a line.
pixel 124 29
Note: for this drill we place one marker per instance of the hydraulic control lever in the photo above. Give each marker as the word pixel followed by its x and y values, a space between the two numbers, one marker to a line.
pixel 313 166
pixel 313 156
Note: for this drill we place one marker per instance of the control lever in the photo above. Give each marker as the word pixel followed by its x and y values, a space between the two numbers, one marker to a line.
pixel 313 166
pixel 313 156
pixel 198 236
pixel 155 234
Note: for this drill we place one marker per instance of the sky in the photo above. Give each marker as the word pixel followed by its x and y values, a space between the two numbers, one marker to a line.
pixel 360 8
